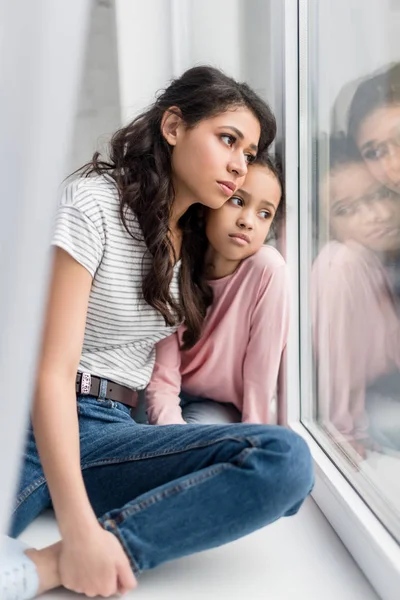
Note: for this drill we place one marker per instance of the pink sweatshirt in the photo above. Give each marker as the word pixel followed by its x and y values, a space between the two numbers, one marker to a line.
pixel 356 332
pixel 238 356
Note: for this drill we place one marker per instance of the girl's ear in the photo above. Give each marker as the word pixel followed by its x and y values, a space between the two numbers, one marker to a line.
pixel 170 124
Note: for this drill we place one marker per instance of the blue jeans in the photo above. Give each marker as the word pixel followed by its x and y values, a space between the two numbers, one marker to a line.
pixel 170 491
pixel 206 411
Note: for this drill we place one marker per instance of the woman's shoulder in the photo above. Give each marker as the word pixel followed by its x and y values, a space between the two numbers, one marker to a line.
pixel 86 192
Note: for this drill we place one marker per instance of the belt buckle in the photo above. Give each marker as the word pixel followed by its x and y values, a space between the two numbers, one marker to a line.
pixel 86 383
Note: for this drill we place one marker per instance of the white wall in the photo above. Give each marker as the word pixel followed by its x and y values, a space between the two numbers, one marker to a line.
pixel 99 109
pixel 159 39
pixel 41 52
pixel 353 39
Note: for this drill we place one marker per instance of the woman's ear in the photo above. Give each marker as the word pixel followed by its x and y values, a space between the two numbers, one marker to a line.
pixel 170 124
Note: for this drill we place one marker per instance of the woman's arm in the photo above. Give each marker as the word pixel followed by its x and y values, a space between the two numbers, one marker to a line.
pixel 162 393
pixel 91 560
pixel 54 413
pixel 268 336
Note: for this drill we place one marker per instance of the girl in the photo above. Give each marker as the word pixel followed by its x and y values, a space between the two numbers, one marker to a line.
pixel 125 277
pixel 356 329
pixel 374 125
pixel 230 374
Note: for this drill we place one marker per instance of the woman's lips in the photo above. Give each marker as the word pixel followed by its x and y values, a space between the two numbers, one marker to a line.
pixel 227 187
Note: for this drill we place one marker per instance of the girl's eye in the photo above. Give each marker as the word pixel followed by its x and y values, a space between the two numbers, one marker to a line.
pixel 228 139
pixel 344 211
pixel 373 154
pixel 237 201
pixel 265 214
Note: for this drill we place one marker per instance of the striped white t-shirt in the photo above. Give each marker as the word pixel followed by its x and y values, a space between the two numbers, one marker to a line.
pixel 121 328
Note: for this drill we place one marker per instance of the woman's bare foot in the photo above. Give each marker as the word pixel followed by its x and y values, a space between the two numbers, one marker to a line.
pixel 46 562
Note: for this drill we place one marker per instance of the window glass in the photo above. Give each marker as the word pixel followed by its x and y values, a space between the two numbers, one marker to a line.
pixel 350 241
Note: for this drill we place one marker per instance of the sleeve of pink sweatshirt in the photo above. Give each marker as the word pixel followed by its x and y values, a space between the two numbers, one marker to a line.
pixel 162 393
pixel 340 344
pixel 267 340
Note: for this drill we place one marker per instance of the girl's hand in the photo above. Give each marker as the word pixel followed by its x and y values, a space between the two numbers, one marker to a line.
pixel 95 564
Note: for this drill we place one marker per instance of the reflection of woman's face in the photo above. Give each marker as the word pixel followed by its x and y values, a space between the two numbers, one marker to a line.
pixel 361 209
pixel 378 140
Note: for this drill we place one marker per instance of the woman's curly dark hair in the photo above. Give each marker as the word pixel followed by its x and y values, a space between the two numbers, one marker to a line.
pixel 376 91
pixel 139 161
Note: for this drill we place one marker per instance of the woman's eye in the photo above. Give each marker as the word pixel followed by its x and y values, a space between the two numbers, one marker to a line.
pixel 237 201
pixel 250 158
pixel 228 139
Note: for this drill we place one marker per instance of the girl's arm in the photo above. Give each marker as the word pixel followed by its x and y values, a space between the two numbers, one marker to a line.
pixel 162 393
pixel 267 340
pixel 91 559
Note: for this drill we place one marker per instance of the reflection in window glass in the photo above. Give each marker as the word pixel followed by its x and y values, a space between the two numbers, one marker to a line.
pixel 353 129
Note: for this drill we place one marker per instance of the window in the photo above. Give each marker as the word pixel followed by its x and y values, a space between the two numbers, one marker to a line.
pixel 349 240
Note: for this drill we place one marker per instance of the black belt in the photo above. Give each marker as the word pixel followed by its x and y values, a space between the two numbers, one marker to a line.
pixel 90 385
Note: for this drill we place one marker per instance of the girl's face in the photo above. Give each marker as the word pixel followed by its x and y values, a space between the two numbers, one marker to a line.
pixel 379 143
pixel 239 228
pixel 361 209
pixel 209 161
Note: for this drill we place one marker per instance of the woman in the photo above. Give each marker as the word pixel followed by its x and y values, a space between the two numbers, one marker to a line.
pixel 125 275
pixel 374 125
pixel 231 373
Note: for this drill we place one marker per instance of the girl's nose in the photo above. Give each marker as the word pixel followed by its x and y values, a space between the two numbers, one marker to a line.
pixel 392 164
pixel 245 221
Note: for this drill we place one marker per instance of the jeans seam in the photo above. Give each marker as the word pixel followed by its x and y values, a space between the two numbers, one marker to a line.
pixel 111 526
pixel 172 490
pixel 28 491
pixel 155 454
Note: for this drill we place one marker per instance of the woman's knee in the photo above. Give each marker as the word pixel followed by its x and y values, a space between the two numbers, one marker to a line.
pixel 289 457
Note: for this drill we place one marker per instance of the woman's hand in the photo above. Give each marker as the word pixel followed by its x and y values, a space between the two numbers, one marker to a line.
pixel 95 564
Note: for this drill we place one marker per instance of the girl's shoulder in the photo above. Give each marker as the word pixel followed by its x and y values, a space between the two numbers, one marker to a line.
pixel 266 260
pixel 347 257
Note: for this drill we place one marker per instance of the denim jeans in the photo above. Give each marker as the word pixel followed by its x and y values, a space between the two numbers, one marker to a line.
pixel 206 411
pixel 169 491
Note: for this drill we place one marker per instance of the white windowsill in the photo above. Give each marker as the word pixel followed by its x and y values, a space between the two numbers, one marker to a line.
pixel 296 558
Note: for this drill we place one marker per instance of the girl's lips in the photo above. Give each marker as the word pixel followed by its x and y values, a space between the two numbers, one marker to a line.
pixel 383 232
pixel 241 239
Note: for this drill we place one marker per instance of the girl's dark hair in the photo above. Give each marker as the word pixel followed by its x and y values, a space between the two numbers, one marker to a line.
pixel 382 89
pixel 274 164
pixel 342 152
pixel 140 163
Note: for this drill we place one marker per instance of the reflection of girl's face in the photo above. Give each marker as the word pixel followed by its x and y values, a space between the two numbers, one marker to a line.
pixel 361 209
pixel 379 143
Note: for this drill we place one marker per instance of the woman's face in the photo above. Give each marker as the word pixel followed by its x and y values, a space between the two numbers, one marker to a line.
pixel 378 140
pixel 361 209
pixel 209 161
pixel 239 228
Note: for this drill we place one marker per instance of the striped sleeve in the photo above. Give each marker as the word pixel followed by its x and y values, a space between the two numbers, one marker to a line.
pixel 78 228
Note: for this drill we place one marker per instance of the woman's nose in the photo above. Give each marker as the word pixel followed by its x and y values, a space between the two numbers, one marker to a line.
pixel 238 165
